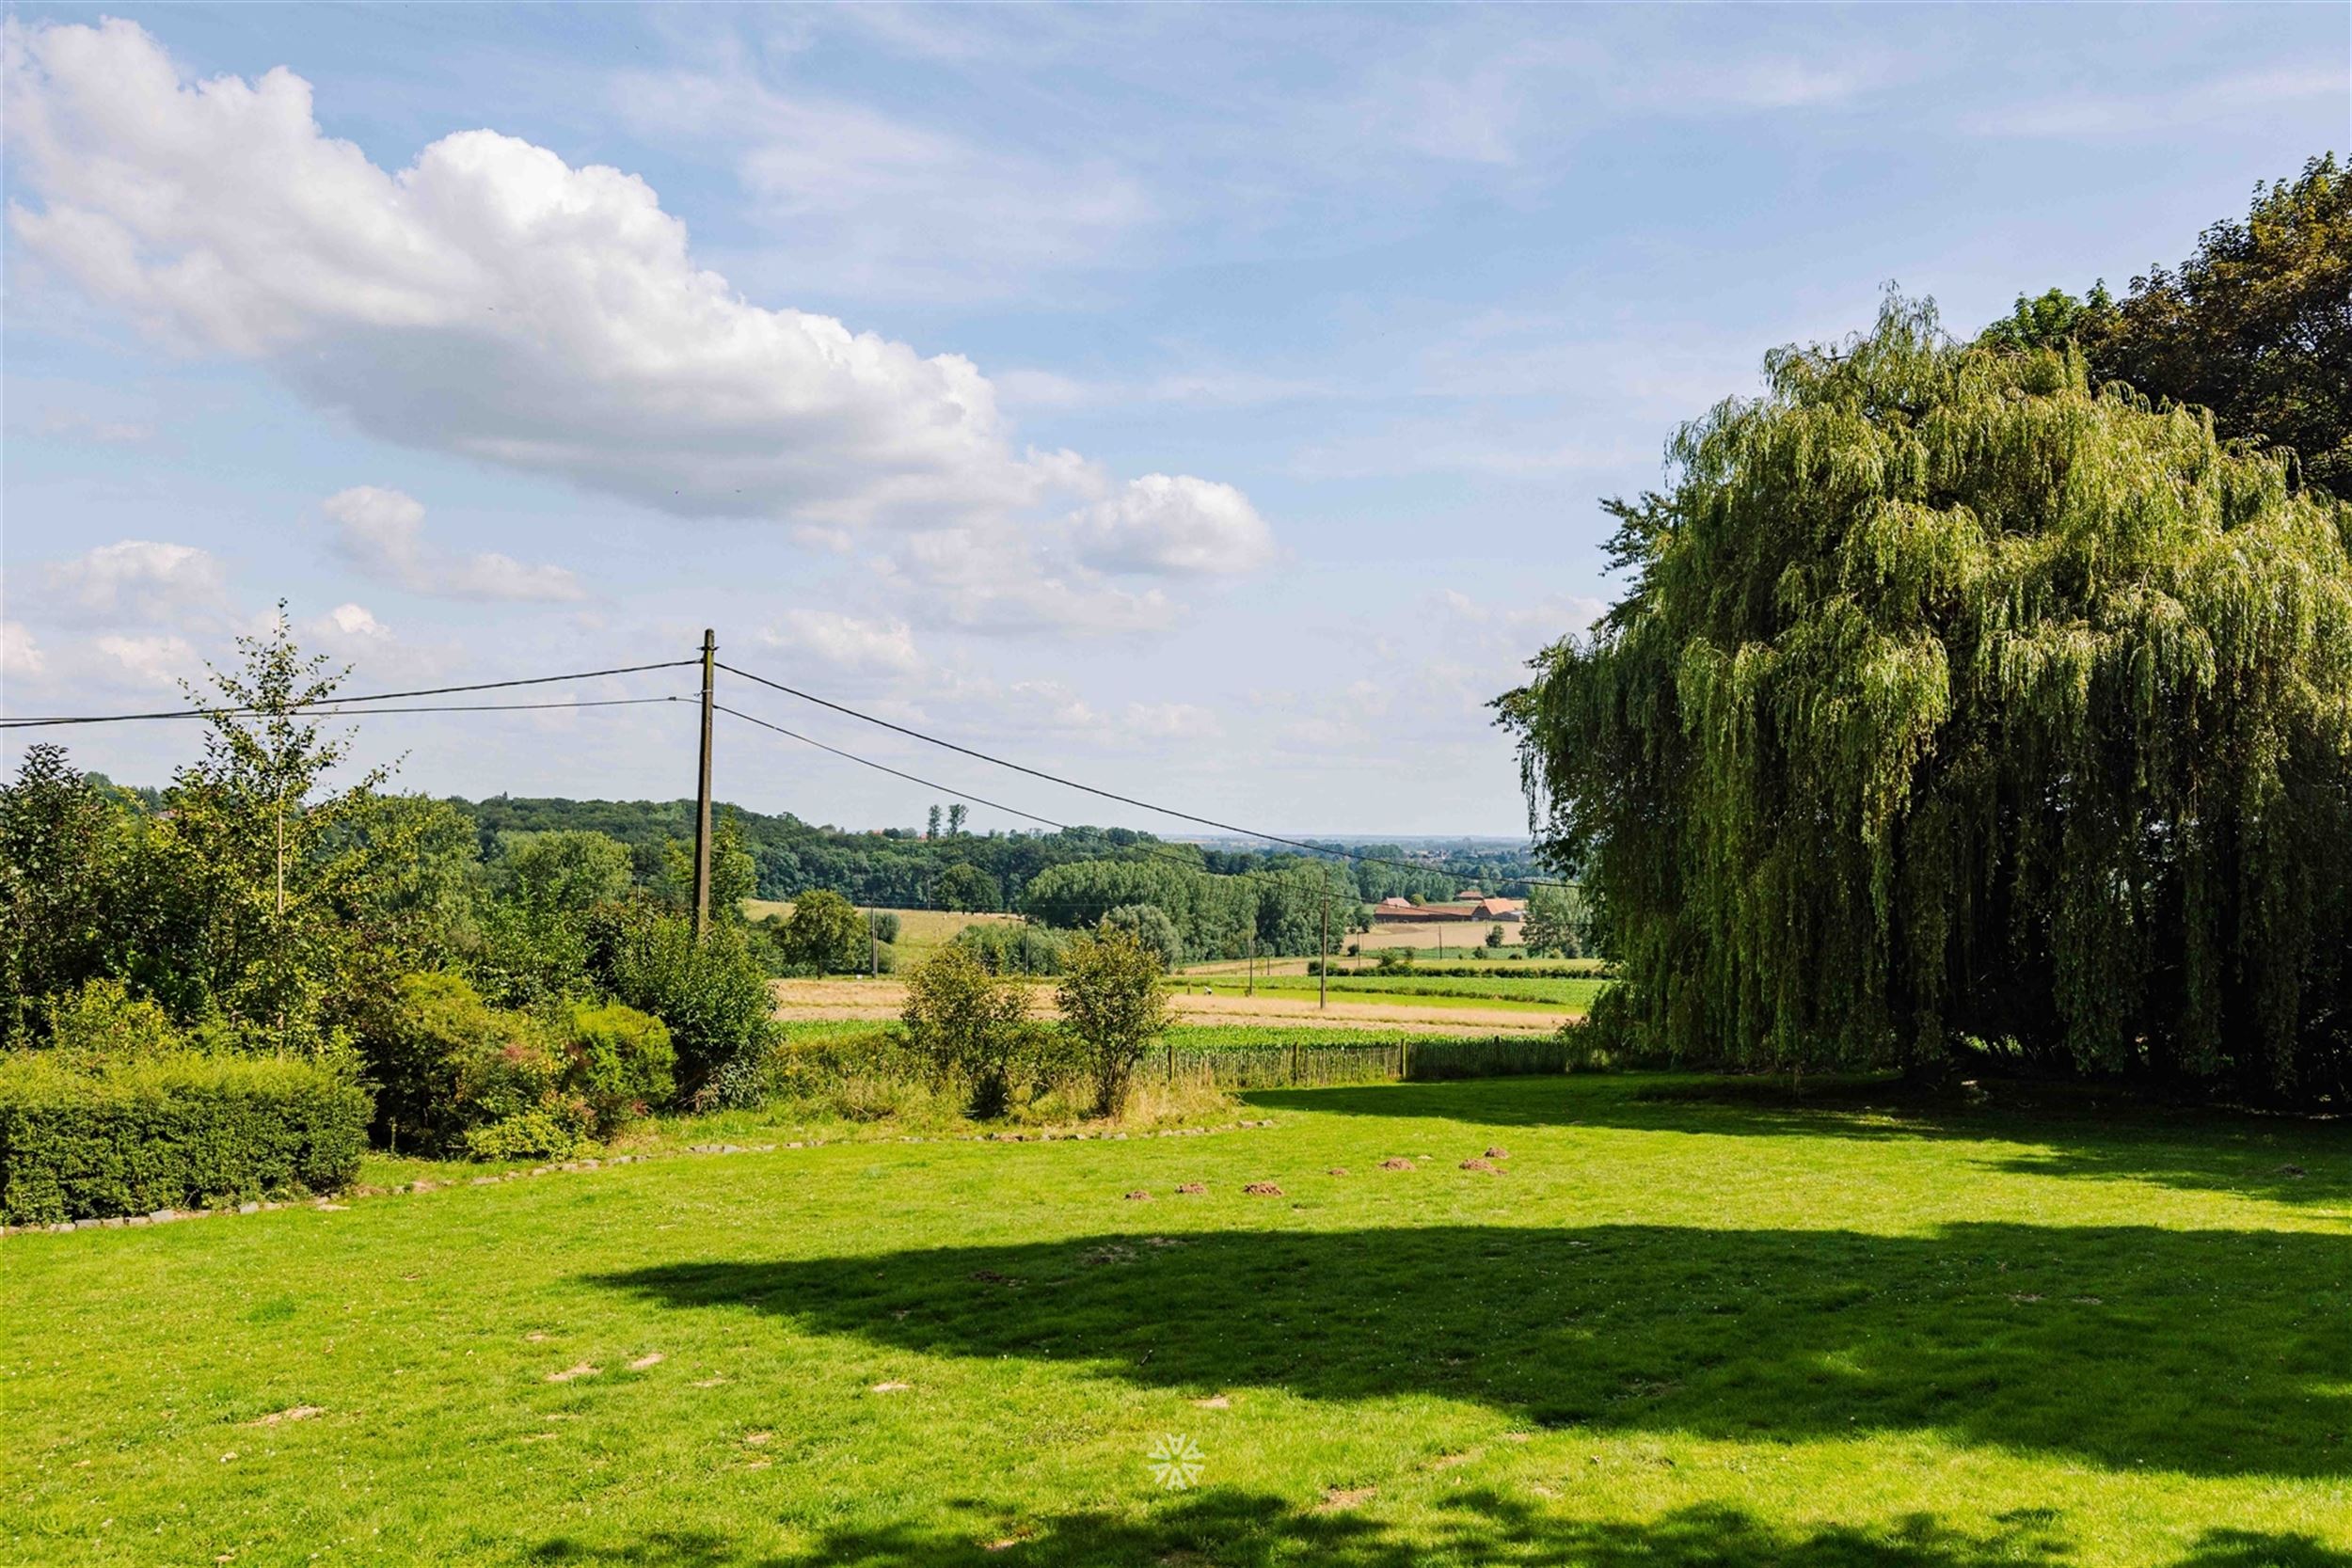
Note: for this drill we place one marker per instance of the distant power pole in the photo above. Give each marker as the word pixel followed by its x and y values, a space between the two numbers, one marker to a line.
pixel 702 799
pixel 873 949
pixel 1322 954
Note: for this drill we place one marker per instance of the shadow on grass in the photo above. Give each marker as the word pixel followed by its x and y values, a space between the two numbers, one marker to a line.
pixel 2209 1352
pixel 2088 1133
pixel 1241 1530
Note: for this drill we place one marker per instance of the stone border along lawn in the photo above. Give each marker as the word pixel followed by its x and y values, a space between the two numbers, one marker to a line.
pixel 426 1184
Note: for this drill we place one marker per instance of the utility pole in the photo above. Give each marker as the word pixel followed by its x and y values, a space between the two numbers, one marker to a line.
pixel 1323 956
pixel 1251 963
pixel 702 800
pixel 873 949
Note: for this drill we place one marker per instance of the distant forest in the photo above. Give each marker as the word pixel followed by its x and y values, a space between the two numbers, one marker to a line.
pixel 901 867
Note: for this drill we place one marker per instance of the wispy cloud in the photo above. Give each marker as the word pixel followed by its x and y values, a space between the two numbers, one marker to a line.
pixel 2099 115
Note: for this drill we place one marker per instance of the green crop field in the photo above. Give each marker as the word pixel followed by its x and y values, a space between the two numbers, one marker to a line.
pixel 1669 1330
pixel 1548 995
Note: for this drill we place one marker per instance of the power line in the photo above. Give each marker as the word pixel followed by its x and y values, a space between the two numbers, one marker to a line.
pixel 497 707
pixel 1105 794
pixel 1164 851
pixel 339 702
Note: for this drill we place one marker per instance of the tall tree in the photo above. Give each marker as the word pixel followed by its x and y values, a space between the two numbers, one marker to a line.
pixel 2256 325
pixel 955 819
pixel 285 865
pixel 1952 699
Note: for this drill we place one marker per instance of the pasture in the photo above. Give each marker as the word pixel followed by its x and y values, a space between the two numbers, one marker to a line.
pixel 1680 1323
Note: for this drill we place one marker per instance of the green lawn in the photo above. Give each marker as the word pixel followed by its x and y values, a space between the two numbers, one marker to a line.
pixel 1672 1332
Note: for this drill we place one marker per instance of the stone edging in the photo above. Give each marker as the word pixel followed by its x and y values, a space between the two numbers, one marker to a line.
pixel 423 1184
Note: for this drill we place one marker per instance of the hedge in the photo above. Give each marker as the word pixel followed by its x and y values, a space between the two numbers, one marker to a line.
pixel 178 1132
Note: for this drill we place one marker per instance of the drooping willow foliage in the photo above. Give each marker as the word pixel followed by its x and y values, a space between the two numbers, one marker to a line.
pixel 1955 702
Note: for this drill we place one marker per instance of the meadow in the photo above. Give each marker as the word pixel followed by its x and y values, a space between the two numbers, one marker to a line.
pixel 1682 1321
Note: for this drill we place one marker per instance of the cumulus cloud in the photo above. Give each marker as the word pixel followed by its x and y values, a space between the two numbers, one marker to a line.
pixel 20 653
pixel 382 532
pixel 492 300
pixel 845 643
pixel 137 578
pixel 1175 524
pixel 153 659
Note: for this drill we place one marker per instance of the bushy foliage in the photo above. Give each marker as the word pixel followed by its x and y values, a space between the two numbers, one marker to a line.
pixel 967 1023
pixel 174 1131
pixel 825 934
pixel 1152 928
pixel 622 1062
pixel 1953 698
pixel 444 1061
pixel 712 994
pixel 2255 326
pixel 966 887
pixel 1012 946
pixel 101 1022
pixel 1113 1004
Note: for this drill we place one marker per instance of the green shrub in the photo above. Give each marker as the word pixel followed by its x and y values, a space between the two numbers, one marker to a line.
pixel 103 1023
pixel 967 1023
pixel 445 1062
pixel 524 1135
pixel 623 1063
pixel 712 994
pixel 1013 947
pixel 171 1132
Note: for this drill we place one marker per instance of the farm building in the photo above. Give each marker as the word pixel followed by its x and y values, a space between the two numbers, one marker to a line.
pixel 1464 907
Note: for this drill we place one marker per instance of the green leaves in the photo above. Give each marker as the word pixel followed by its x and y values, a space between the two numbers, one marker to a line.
pixel 1951 697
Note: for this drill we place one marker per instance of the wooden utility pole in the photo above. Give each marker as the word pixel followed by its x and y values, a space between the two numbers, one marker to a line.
pixel 873 949
pixel 1323 956
pixel 702 800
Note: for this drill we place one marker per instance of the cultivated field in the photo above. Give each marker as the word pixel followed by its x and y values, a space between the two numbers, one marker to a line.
pixel 920 931
pixel 1668 1332
pixel 1292 1004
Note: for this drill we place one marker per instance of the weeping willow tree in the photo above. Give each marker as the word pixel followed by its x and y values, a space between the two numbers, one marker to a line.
pixel 1957 704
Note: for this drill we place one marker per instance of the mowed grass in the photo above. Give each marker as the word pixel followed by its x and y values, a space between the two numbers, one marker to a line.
pixel 1672 1331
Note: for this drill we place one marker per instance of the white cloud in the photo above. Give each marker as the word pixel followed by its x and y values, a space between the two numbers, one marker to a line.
pixel 348 624
pixel 846 642
pixel 883 206
pixel 382 532
pixel 494 301
pixel 1172 721
pixel 138 578
pixel 158 658
pixel 992 581
pixel 20 653
pixel 1174 524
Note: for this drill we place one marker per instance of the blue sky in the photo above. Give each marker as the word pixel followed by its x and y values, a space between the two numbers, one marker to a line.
pixel 1213 404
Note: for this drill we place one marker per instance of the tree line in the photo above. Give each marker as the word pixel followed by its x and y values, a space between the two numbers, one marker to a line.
pixel 1991 699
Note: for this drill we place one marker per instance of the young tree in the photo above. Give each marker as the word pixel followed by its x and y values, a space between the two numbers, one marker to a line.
pixel 1494 936
pixel 964 1020
pixel 1554 923
pixel 1113 1000
pixel 1954 699
pixel 282 864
